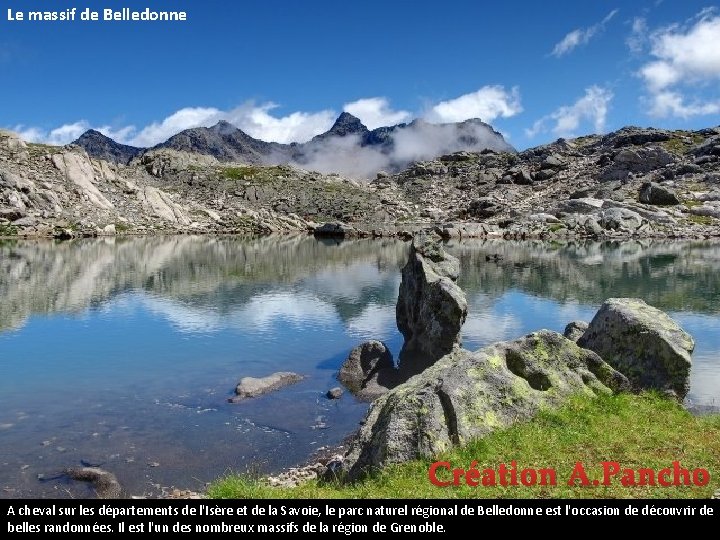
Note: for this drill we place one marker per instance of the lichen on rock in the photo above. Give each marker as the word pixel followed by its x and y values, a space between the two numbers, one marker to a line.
pixel 642 342
pixel 467 395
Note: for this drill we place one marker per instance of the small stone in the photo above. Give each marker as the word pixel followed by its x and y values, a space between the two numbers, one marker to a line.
pixel 334 393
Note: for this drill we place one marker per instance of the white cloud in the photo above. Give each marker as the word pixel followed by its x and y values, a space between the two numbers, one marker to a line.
pixel 376 112
pixel 639 35
pixel 375 322
pixel 255 120
pixel 189 117
pixel 262 313
pixel 665 104
pixel 683 57
pixel 592 108
pixel 60 135
pixel 488 103
pixel 580 36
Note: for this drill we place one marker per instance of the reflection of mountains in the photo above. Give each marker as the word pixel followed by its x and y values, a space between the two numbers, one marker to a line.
pixel 668 275
pixel 204 273
pixel 214 276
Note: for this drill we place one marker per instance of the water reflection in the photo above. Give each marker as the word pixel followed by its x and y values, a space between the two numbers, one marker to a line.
pixel 123 351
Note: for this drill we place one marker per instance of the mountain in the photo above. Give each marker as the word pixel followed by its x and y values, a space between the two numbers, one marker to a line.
pixel 635 182
pixel 225 142
pixel 99 146
pixel 348 147
pixel 346 124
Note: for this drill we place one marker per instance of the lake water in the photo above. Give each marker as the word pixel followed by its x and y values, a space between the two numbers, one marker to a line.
pixel 121 353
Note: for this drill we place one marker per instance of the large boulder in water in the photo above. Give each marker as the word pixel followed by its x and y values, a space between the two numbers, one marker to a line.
pixel 643 343
pixel 467 395
pixel 431 308
pixel 369 370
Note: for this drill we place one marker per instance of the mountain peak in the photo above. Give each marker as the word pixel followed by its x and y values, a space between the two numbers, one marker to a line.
pixel 347 124
pixel 223 126
pixel 92 134
pixel 103 147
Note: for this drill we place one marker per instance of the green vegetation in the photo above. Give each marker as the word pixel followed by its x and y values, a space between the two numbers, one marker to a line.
pixel 239 173
pixel 252 172
pixel 585 140
pixel 637 431
pixel 676 145
pixel 692 203
pixel 37 149
pixel 121 226
pixel 8 230
pixel 701 220
pixel 682 142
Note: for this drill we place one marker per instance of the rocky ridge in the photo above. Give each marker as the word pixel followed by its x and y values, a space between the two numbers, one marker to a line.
pixel 635 182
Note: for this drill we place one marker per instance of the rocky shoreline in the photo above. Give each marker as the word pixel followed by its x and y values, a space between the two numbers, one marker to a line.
pixel 632 183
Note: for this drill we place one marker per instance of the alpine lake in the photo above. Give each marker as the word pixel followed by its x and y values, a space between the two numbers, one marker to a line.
pixel 121 353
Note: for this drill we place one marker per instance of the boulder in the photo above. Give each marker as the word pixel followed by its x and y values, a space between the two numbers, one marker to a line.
pixel 335 229
pixel 705 210
pixel 643 343
pixel 643 160
pixel 582 205
pixel 620 219
pixel 467 395
pixel 15 147
pixel 575 329
pixel 431 308
pixel 369 370
pixel 553 161
pixel 484 207
pixel 652 193
pixel 250 387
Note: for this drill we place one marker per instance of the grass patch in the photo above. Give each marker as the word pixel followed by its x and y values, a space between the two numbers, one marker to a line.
pixel 700 220
pixel 239 173
pixel 676 146
pixel 8 230
pixel 692 203
pixel 638 431
pixel 38 149
pixel 251 172
pixel 122 227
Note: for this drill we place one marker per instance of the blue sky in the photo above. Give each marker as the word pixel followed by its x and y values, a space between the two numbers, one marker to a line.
pixel 284 70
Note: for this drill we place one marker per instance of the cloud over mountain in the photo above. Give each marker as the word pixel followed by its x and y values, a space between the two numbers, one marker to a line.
pixel 258 120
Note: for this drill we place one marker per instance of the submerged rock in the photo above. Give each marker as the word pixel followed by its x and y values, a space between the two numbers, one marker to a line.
pixel 643 343
pixel 250 387
pixel 431 308
pixel 105 483
pixel 466 395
